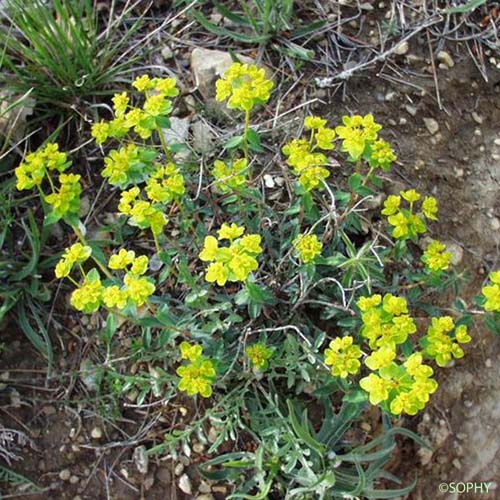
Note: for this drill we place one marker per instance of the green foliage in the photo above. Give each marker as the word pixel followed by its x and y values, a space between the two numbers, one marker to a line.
pixel 288 317
pixel 266 22
pixel 12 478
pixel 22 290
pixel 64 52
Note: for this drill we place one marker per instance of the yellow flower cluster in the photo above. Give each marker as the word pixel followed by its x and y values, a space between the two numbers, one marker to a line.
pixel 439 345
pixel 230 177
pixel 359 132
pixel 36 166
pixel 87 297
pixel 401 388
pixel 406 223
pixel 143 121
pixel 165 184
pixel 118 164
pixel 75 254
pixel 308 247
pixel 436 258
pixel 381 155
pixel 92 293
pixel 232 263
pixel 142 213
pixel 491 293
pixel 343 357
pixel 303 155
pixel 66 200
pixel 245 86
pixel 198 375
pixel 259 355
pixel 386 322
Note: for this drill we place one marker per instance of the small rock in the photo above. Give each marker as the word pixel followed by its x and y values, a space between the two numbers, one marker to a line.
pixel 445 58
pixel 366 6
pixel 456 463
pixel 477 118
pixel 431 125
pixel 390 96
pixel 213 434
pixel 403 121
pixel 205 496
pixel 178 131
pixel 84 206
pixel 269 181
pixel 141 459
pixel 89 375
pixel 412 110
pixel 488 363
pixel 64 475
pixel 204 487
pixel 456 251
pixel 179 468
pixel 198 447
pixel 74 479
pixel 495 223
pixel 167 53
pixel 164 476
pixel 425 455
pixel 468 403
pixel 185 484
pixel 96 433
pixel 148 482
pixel 497 142
pixel 202 136
pixel 402 48
pixel 462 436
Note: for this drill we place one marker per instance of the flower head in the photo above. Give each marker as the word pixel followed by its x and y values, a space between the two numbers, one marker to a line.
pixel 259 355
pixel 343 357
pixel 308 247
pixel 244 86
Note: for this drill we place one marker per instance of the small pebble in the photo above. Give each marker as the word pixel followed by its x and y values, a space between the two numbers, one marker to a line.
pixel 64 475
pixel 179 469
pixel 74 479
pixel 446 59
pixel 167 53
pixel 402 48
pixel 411 109
pixel 456 463
pixel 488 363
pixel 96 433
pixel 431 125
pixel 477 118
pixel 185 484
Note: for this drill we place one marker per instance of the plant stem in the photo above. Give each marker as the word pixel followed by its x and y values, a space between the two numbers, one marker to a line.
pixel 245 135
pixel 103 268
pixel 167 151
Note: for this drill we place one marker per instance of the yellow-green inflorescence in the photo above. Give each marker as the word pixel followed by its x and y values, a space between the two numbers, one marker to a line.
pixel 92 293
pixel 230 176
pixel 143 120
pixel 259 355
pixel 198 374
pixel 491 293
pixel 343 357
pixel 436 258
pixel 244 86
pixel 406 222
pixel 307 156
pixel 308 247
pixel 442 340
pixel 234 262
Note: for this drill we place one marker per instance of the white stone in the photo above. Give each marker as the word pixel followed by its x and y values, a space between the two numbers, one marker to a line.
pixel 185 484
pixel 402 48
pixel 431 125
pixel 445 58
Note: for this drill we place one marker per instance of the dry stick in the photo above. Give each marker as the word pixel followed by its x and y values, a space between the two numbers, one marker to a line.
pixel 346 74
pixel 434 72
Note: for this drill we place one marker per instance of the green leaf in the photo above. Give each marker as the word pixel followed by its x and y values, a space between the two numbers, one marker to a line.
pixel 302 432
pixel 234 142
pixel 464 9
pixel 355 396
pixel 253 139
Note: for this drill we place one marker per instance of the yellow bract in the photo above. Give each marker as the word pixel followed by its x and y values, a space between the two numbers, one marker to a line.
pixel 234 262
pixel 491 293
pixel 436 258
pixel 244 86
pixel 198 375
pixel 343 357
pixel 308 247
pixel 259 355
